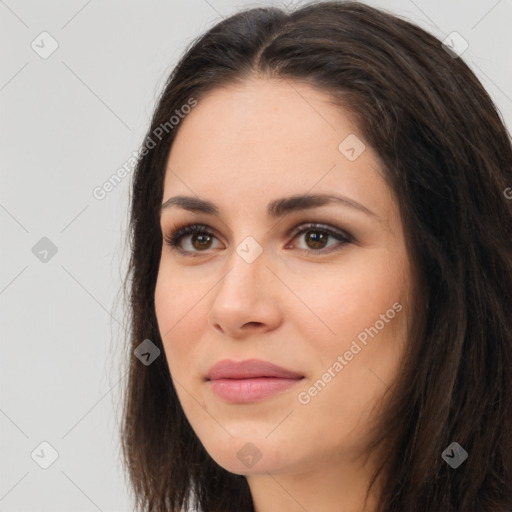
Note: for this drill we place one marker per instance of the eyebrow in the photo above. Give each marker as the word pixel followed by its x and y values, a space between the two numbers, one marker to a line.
pixel 276 208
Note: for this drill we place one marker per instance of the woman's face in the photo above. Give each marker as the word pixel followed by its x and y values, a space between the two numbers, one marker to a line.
pixel 328 303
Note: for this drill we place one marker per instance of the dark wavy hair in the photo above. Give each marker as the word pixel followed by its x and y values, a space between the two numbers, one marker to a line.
pixel 447 157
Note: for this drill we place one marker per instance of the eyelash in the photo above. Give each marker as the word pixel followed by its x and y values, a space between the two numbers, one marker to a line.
pixel 173 239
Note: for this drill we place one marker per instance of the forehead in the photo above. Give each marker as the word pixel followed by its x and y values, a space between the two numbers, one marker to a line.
pixel 274 114
pixel 257 140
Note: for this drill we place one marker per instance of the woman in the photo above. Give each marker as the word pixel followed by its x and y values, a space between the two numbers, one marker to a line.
pixel 321 254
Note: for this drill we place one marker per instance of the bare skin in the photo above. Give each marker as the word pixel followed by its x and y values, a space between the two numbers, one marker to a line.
pixel 241 148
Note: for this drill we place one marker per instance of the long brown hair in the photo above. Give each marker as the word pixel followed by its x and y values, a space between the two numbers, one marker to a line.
pixel 447 157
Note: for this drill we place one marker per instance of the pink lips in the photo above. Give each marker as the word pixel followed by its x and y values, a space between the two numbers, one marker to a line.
pixel 249 380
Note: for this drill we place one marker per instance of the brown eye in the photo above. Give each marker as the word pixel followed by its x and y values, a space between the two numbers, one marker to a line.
pixel 200 239
pixel 316 238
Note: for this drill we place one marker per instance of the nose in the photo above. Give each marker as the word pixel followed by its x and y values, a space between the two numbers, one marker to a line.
pixel 247 298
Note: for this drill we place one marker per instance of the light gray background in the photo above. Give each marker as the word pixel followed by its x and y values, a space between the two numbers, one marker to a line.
pixel 68 123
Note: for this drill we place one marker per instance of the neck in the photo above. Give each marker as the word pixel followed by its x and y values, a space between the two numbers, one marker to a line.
pixel 327 488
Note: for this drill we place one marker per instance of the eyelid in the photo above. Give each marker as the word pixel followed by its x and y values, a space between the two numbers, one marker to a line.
pixel 180 231
pixel 186 229
pixel 331 230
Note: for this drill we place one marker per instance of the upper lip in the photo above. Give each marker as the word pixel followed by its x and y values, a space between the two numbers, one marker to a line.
pixel 250 368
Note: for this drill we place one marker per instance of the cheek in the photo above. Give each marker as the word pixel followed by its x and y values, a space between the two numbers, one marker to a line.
pixel 370 347
pixel 366 287
pixel 348 298
pixel 177 297
pixel 180 313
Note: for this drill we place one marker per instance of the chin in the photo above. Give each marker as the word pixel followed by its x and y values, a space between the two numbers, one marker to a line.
pixel 242 456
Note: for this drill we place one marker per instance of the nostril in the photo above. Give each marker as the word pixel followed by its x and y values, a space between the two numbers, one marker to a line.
pixel 253 324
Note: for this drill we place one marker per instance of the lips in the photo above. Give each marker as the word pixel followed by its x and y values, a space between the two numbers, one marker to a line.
pixel 249 369
pixel 249 381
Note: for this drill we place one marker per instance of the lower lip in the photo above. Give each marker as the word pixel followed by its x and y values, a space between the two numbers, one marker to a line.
pixel 250 390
